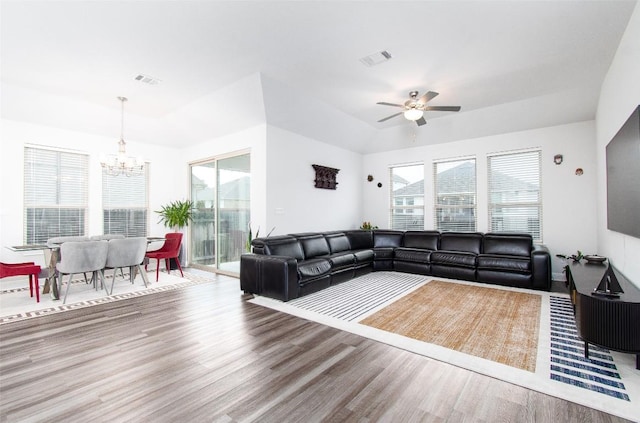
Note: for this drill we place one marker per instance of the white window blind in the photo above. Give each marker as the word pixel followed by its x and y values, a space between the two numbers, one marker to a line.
pixel 55 194
pixel 125 204
pixel 455 195
pixel 407 197
pixel 515 199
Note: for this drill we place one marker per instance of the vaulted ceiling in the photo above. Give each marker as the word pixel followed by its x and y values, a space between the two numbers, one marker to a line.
pixel 225 65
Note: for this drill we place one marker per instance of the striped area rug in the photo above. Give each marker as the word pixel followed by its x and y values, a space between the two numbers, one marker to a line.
pixel 354 299
pixel 597 373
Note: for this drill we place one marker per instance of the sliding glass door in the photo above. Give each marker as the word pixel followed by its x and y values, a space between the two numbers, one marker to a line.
pixel 220 190
pixel 233 210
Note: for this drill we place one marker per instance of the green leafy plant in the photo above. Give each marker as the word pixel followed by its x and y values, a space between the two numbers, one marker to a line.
pixel 367 226
pixel 176 214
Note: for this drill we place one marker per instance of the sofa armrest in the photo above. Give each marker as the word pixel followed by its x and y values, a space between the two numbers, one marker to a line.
pixel 271 276
pixel 541 267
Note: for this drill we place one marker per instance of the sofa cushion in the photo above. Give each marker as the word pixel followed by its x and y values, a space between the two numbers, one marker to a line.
pixel 507 244
pixel 504 263
pixel 341 260
pixel 337 242
pixel 384 253
pixel 385 238
pixel 427 240
pixel 283 246
pixel 360 240
pixel 308 269
pixel 314 245
pixel 453 258
pixel 413 254
pixel 470 242
pixel 363 256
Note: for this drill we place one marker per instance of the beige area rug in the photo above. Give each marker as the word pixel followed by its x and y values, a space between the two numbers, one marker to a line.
pixel 501 326
pixel 477 327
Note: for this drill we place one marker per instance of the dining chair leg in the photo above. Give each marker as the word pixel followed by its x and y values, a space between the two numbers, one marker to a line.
pixel 31 285
pixel 167 266
pixel 143 273
pixel 67 291
pixel 36 285
pixel 157 268
pixel 179 267
pixel 104 283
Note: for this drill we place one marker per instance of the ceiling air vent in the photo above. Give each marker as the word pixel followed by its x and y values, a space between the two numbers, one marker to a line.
pixel 147 79
pixel 376 58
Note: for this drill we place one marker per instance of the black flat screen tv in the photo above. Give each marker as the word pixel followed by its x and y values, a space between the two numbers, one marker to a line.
pixel 623 178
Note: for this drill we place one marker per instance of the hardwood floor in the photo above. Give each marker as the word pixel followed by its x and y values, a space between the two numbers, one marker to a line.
pixel 205 354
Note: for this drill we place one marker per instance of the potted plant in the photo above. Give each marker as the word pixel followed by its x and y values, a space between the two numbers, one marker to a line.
pixel 176 215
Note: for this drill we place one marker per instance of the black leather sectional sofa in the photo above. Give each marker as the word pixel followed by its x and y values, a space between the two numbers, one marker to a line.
pixel 290 266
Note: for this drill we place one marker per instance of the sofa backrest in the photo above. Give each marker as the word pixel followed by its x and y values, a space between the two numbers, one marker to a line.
pixel 470 242
pixel 427 240
pixel 283 246
pixel 313 245
pixel 360 239
pixel 387 238
pixel 337 241
pixel 507 244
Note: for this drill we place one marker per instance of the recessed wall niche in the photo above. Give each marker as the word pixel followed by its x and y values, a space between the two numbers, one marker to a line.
pixel 325 177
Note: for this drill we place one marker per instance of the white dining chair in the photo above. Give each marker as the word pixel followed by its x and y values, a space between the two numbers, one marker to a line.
pixel 82 257
pixel 127 252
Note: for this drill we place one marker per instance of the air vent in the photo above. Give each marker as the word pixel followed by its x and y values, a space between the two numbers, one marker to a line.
pixel 146 79
pixel 376 58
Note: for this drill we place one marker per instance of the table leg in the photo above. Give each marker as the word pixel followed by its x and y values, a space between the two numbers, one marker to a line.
pixel 51 282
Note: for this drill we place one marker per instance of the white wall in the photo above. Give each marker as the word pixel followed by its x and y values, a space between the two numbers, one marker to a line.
pixel 569 216
pixel 164 183
pixel 619 96
pixel 293 203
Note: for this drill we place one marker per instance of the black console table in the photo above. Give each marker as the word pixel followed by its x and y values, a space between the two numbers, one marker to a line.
pixel 609 322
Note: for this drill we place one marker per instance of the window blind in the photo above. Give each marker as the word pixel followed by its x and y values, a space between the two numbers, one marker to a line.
pixel 515 199
pixel 125 204
pixel 455 195
pixel 407 197
pixel 55 194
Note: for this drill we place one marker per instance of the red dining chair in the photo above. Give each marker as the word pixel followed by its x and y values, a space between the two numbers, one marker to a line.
pixel 170 250
pixel 23 269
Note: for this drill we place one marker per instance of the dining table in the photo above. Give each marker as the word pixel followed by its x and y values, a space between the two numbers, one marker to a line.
pixel 51 257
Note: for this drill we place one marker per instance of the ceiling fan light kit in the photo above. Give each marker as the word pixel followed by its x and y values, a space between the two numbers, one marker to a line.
pixel 413 114
pixel 415 107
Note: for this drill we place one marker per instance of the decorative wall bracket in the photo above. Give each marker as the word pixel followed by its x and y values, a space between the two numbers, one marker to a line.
pixel 325 177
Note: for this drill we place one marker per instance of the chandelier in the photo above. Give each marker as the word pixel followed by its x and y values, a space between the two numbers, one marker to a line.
pixel 120 164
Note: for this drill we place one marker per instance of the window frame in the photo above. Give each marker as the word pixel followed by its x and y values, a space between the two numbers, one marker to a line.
pixel 474 194
pixel 416 210
pixel 535 174
pixel 130 230
pixel 44 193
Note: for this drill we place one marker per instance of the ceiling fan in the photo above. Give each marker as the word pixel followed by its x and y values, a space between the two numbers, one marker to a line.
pixel 415 107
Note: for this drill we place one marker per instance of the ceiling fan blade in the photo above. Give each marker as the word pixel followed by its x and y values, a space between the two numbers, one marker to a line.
pixel 389 117
pixel 443 108
pixel 421 121
pixel 384 103
pixel 427 97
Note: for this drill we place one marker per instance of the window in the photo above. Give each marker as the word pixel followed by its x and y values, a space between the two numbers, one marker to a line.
pixel 455 195
pixel 125 204
pixel 515 200
pixel 55 194
pixel 407 197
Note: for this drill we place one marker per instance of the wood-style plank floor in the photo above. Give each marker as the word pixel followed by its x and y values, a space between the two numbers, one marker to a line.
pixel 204 354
